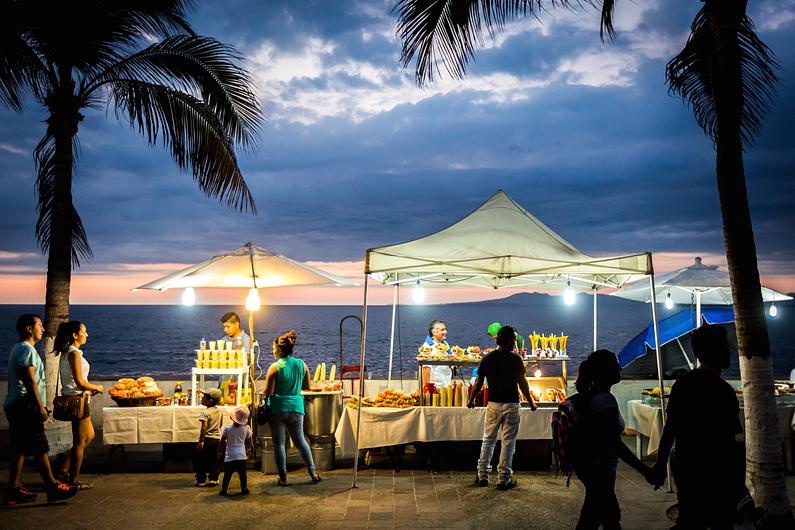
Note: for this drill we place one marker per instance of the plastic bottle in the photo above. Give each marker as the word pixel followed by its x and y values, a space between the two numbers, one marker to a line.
pixel 203 344
pixel 177 393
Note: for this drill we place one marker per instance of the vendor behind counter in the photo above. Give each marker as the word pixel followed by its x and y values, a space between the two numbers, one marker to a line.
pixel 437 334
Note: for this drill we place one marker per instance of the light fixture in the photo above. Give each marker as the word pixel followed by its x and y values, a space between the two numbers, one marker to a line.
pixel 773 311
pixel 252 300
pixel 568 294
pixel 418 294
pixel 188 296
pixel 537 373
pixel 669 303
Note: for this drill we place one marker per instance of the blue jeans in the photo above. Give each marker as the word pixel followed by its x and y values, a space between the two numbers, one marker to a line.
pixel 292 422
pixel 501 419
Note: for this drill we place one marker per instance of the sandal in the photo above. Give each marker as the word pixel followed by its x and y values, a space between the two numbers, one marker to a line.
pixel 315 477
pixel 282 481
pixel 82 485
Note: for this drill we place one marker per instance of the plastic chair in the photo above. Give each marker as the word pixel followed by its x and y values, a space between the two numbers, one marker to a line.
pixel 347 369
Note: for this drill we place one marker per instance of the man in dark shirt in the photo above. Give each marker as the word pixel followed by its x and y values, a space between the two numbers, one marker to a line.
pixel 703 420
pixel 505 373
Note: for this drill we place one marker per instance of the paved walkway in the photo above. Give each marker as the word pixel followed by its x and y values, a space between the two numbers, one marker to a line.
pixel 384 499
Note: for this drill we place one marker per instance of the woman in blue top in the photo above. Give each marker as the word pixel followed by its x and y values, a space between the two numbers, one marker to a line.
pixel 283 384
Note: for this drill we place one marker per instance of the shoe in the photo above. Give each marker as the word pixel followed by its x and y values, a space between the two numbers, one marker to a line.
pixel 315 477
pixel 211 483
pixel 482 482
pixel 82 485
pixel 223 493
pixel 244 492
pixel 19 495
pixel 282 481
pixel 60 491
pixel 200 484
pixel 503 486
pixel 61 477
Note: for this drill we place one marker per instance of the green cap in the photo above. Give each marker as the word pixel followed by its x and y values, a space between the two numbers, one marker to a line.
pixel 493 329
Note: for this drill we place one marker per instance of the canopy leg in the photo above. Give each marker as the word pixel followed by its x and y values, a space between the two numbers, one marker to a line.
pixel 361 384
pixel 392 337
pixel 659 366
pixel 594 320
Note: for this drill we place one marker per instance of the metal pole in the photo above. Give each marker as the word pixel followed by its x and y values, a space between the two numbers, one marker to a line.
pixel 392 337
pixel 594 318
pixel 659 364
pixel 698 309
pixel 361 383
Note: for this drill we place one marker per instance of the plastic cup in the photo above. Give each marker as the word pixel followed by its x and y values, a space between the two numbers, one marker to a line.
pixel 214 364
pixel 221 345
pixel 212 344
pixel 229 345
pixel 239 363
pixel 224 364
pixel 199 363
pixel 215 354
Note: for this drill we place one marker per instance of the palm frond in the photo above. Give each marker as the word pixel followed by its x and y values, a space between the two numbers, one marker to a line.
pixel 692 75
pixel 606 25
pixel 450 30
pixel 21 69
pixel 44 156
pixel 197 65
pixel 191 130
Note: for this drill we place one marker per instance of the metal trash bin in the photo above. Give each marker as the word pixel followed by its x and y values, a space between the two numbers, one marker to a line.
pixel 267 460
pixel 323 452
pixel 323 412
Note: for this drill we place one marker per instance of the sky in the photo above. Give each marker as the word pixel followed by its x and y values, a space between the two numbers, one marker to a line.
pixel 354 155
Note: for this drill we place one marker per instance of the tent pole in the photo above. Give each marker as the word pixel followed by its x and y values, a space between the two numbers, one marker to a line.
pixel 392 337
pixel 594 318
pixel 659 363
pixel 698 309
pixel 361 383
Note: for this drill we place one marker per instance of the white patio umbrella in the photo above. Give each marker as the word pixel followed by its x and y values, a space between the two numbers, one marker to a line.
pixel 698 283
pixel 250 267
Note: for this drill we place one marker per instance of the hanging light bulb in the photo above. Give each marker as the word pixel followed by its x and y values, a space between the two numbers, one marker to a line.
pixel 537 373
pixel 252 300
pixel 418 294
pixel 188 296
pixel 568 294
pixel 773 311
pixel 669 303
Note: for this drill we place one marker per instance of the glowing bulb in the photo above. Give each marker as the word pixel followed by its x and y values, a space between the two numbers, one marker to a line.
pixel 773 311
pixel 252 300
pixel 568 294
pixel 418 294
pixel 188 296
pixel 537 373
pixel 669 303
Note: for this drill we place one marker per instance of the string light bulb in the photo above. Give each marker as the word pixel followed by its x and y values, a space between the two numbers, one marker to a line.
pixel 537 373
pixel 568 294
pixel 773 311
pixel 252 300
pixel 188 296
pixel 669 303
pixel 418 294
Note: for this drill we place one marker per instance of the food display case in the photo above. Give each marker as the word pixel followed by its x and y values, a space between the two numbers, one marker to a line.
pixel 219 362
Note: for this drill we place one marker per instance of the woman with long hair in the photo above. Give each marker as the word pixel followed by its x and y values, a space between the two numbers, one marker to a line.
pixel 283 384
pixel 599 428
pixel 73 370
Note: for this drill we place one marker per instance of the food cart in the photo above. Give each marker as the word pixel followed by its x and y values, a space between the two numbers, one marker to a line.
pixel 499 245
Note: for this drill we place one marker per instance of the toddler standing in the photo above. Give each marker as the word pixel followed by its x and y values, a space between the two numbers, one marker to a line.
pixel 236 438
pixel 206 459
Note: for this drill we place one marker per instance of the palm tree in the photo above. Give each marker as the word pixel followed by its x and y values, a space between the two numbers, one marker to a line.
pixel 141 59
pixel 727 76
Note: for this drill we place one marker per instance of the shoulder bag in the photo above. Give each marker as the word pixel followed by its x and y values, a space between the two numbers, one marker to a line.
pixel 68 408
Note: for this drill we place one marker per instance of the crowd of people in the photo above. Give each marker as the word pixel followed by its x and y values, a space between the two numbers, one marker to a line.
pixel 708 462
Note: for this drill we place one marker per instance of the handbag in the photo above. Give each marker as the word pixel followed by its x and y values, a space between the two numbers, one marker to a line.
pixel 263 411
pixel 68 408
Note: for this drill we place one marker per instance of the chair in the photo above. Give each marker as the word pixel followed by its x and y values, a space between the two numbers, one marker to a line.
pixel 347 369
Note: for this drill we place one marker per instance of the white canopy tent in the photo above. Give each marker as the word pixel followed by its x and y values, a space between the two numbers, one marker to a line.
pixel 697 284
pixel 499 245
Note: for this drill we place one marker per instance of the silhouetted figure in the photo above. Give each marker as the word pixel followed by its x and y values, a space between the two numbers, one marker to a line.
pixel 599 444
pixel 703 421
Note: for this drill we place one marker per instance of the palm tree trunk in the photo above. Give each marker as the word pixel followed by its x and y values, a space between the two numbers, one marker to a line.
pixel 764 457
pixel 62 124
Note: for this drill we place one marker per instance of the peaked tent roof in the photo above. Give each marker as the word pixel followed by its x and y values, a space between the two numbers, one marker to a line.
pixel 500 245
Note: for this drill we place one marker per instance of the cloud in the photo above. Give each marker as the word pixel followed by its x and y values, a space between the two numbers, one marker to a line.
pixel 16 255
pixel 8 148
pixel 599 69
pixel 775 17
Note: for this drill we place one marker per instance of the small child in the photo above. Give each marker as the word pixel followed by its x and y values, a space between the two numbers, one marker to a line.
pixel 206 459
pixel 235 439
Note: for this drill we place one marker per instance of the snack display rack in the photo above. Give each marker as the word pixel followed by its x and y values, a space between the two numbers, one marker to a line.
pixel 240 371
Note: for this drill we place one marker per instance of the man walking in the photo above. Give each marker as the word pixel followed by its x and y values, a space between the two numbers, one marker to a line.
pixel 505 373
pixel 26 413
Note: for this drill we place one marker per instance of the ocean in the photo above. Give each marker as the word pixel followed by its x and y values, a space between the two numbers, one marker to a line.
pixel 135 340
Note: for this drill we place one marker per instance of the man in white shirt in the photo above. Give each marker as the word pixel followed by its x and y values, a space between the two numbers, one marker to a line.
pixel 231 323
pixel 437 334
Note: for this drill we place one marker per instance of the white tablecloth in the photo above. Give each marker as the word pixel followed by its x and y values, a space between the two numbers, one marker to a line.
pixel 647 420
pixel 382 427
pixel 153 425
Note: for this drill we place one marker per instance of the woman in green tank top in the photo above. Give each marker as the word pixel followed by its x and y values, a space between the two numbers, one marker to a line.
pixel 283 384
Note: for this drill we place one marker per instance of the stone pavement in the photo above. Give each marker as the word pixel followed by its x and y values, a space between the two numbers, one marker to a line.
pixel 384 499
